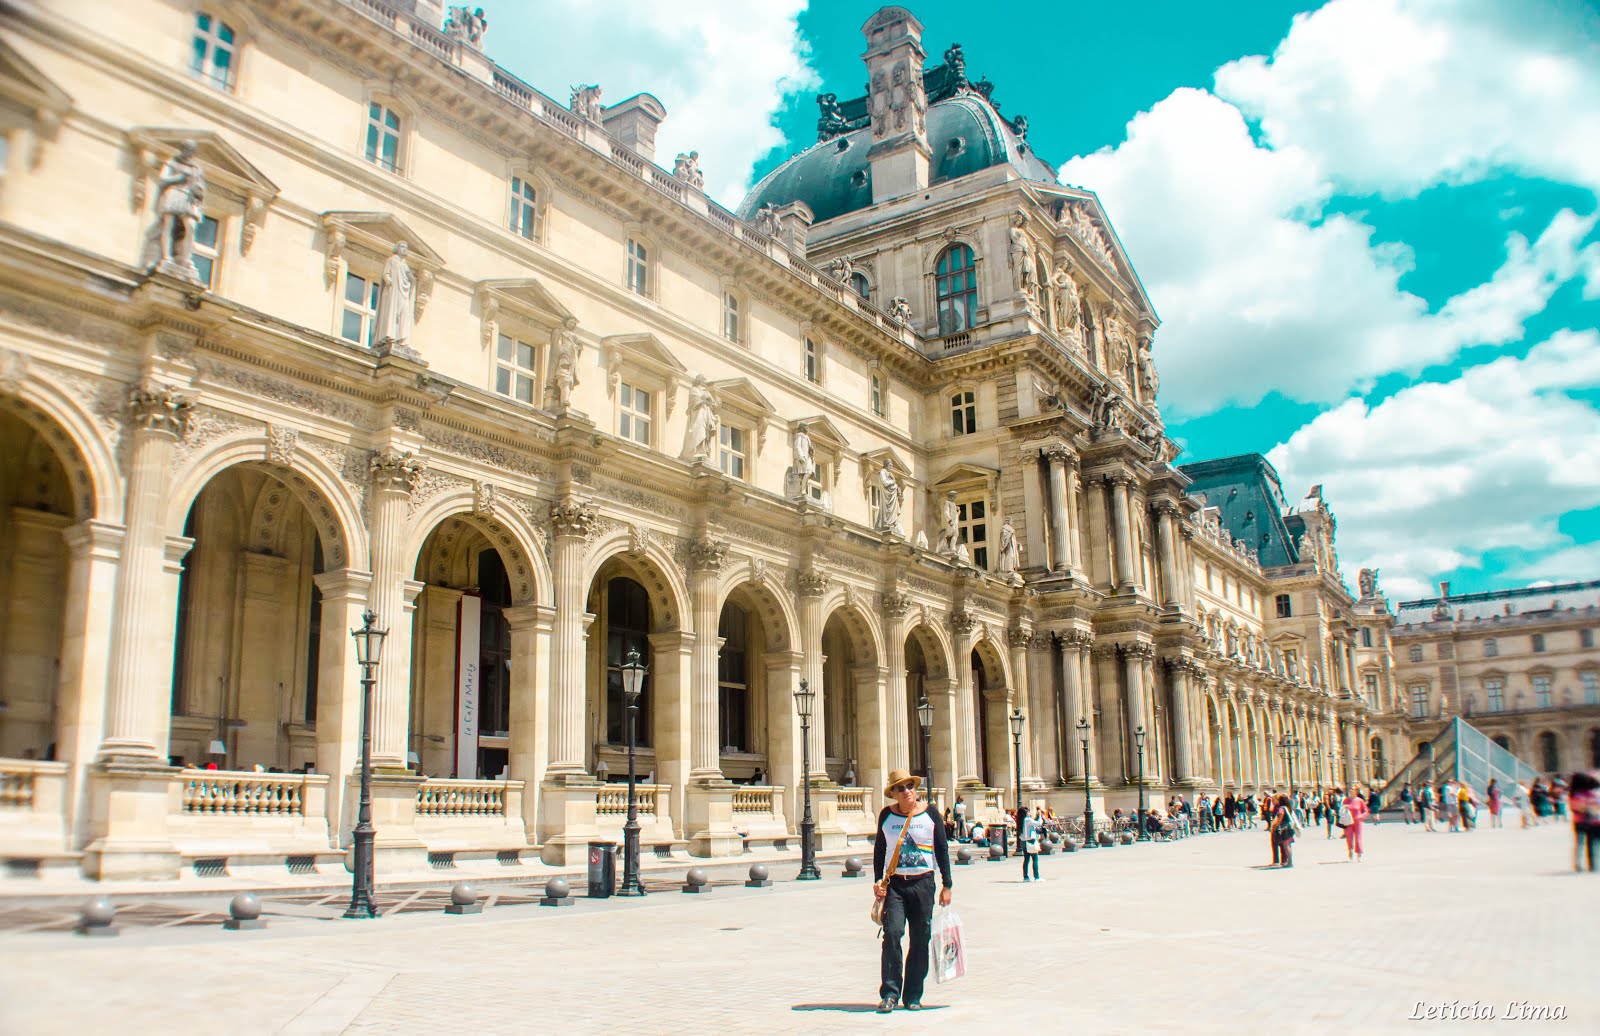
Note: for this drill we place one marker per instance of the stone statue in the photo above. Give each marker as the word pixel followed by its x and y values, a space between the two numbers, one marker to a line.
pixel 950 526
pixel 1010 553
pixel 1117 353
pixel 900 311
pixel 1019 126
pixel 842 269
pixel 700 437
pixel 831 121
pixel 586 102
pixel 1021 254
pixel 766 220
pixel 921 542
pixel 687 169
pixel 179 205
pixel 1107 408
pixel 397 302
pixel 1067 301
pixel 957 63
pixel 1367 578
pixel 467 25
pixel 889 501
pixel 797 481
pixel 1149 380
pixel 562 368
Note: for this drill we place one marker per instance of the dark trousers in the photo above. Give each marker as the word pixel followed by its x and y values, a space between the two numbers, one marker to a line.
pixel 1026 858
pixel 1285 851
pixel 908 899
pixel 1588 835
pixel 1277 849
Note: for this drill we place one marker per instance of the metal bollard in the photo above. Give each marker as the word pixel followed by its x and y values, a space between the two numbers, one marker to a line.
pixel 557 893
pixel 244 913
pixel 463 899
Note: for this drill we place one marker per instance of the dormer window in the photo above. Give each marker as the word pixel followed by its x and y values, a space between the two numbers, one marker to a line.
pixel 212 52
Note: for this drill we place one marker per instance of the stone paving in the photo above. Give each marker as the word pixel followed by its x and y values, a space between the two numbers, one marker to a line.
pixel 1188 937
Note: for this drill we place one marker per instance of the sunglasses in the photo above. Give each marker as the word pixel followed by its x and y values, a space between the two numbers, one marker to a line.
pixel 908 786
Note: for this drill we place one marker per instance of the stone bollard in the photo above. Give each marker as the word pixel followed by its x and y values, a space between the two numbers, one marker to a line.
pixel 98 917
pixel 696 882
pixel 1127 838
pixel 963 857
pixel 244 913
pixel 557 893
pixel 1069 846
pixel 463 899
pixel 1047 847
pixel 852 867
pixel 1105 840
pixel 760 877
pixel 996 851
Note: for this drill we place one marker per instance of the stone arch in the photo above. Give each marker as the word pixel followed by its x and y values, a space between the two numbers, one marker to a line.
pixel 767 598
pixel 505 529
pixel 995 659
pixel 1547 748
pixel 858 622
pixel 644 560
pixel 936 649
pixel 334 509
pixel 79 443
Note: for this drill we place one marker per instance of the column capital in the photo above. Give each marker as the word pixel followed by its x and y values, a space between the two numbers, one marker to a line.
pixel 811 583
pixel 160 408
pixel 1060 453
pixel 343 582
pixel 896 604
pixel 395 470
pixel 572 518
pixel 1019 636
pixel 538 617
pixel 94 538
pixel 963 621
pixel 707 555
pixel 1137 649
pixel 1075 638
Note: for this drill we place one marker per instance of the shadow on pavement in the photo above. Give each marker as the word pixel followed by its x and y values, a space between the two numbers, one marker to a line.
pixel 858 1008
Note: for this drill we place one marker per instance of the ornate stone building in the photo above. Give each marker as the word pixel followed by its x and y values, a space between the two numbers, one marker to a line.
pixel 1520 665
pixel 307 308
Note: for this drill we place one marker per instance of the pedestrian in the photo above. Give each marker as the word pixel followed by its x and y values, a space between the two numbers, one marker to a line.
pixel 1352 817
pixel 1584 800
pixel 1427 800
pixel 1539 799
pixel 1493 794
pixel 1332 812
pixel 1283 833
pixel 909 845
pixel 1406 803
pixel 1216 813
pixel 1450 801
pixel 1028 842
pixel 1229 806
pixel 961 818
pixel 1467 799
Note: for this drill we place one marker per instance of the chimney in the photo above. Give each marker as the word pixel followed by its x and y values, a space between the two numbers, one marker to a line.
pixel 633 124
pixel 1444 588
pixel 898 104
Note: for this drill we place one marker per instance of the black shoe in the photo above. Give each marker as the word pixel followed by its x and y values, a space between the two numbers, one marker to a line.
pixel 886 1005
pixel 913 1007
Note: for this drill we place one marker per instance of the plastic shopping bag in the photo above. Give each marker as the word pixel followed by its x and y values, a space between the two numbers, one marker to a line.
pixel 949 956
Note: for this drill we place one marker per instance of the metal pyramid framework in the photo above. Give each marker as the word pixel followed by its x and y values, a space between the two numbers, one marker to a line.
pixel 1465 753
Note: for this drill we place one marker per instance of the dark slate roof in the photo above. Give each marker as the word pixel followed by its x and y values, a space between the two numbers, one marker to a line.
pixel 1246 490
pixel 1527 600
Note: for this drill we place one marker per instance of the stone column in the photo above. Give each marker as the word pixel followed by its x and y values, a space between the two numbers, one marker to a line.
pixel 706 560
pixel 531 627
pixel 395 476
pixel 138 713
pixel 1038 719
pixel 872 769
pixel 897 730
pixel 1047 735
pixel 1127 574
pixel 1167 553
pixel 94 550
pixel 1182 754
pixel 1072 642
pixel 941 743
pixel 812 585
pixel 1134 654
pixel 783 727
pixel 1351 772
pixel 344 597
pixel 1107 753
pixel 1060 516
pixel 570 522
pixel 965 736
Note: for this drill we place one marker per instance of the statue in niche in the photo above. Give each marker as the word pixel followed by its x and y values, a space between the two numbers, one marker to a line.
pixel 802 468
pixel 949 526
pixel 397 302
pixel 888 501
pixel 181 188
pixel 1149 380
pixel 1107 409
pixel 700 437
pixel 561 375
pixel 1118 355
pixel 1367 578
pixel 1009 556
pixel 1021 254
pixel 687 169
pixel 1067 300
pixel 585 102
pixel 900 311
pixel 830 120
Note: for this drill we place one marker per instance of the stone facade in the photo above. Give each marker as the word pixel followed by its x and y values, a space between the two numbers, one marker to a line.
pixel 1520 665
pixel 422 340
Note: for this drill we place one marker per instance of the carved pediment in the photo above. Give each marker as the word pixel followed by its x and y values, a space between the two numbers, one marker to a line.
pixel 22 86
pixel 965 474
pixel 825 433
pixel 376 234
pixel 646 353
pixel 525 297
pixel 228 173
pixel 740 397
pixel 875 459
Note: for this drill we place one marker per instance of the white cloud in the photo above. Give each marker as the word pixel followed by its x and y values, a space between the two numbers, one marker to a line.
pixel 1394 96
pixel 1439 474
pixel 1260 293
pixel 721 67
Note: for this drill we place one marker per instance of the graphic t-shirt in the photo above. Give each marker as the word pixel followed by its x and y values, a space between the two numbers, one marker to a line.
pixel 916 855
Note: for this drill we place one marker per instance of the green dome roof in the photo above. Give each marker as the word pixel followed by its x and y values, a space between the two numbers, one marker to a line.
pixel 833 178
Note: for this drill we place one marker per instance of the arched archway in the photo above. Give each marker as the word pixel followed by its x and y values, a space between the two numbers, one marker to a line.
pixel 754 736
pixel 990 711
pixel 1549 752
pixel 851 702
pixel 927 677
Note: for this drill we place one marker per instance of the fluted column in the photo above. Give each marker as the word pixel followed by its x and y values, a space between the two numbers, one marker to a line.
pixel 1167 553
pixel 812 585
pixel 897 710
pixel 1107 756
pixel 1134 654
pixel 138 702
pixel 706 559
pixel 570 523
pixel 966 719
pixel 1060 516
pixel 395 476
pixel 1127 574
pixel 1182 753
pixel 1017 638
pixel 1073 644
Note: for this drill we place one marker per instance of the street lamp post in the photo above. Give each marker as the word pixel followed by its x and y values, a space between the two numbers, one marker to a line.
pixel 369 652
pixel 804 699
pixel 1088 805
pixel 1290 745
pixel 1017 719
pixel 925 720
pixel 633 674
pixel 1138 740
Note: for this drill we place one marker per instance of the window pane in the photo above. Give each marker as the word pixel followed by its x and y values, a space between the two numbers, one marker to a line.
pixel 525 356
pixel 205 232
pixel 204 266
pixel 502 381
pixel 351 327
pixel 525 388
pixel 391 146
pixel 391 120
pixel 197 61
pixel 372 142
pixel 505 349
pixel 355 289
pixel 220 60
pixel 641 401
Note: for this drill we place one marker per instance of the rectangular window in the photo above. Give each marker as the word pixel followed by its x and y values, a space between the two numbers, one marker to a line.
pixel 633 414
pixel 1541 691
pixel 731 453
pixel 1415 654
pixel 1538 643
pixel 878 407
pixel 1586 638
pixel 818 489
pixel 515 368
pixel 1491 648
pixel 1591 687
pixel 963 413
pixel 730 317
pixel 523 207
pixel 1419 702
pixel 1366 637
pixel 211 56
pixel 1283 605
pixel 207 250
pixel 383 136
pixel 1447 650
pixel 1497 694
pixel 972 518
pixel 813 363
pixel 360 309
pixel 1372 687
pixel 638 268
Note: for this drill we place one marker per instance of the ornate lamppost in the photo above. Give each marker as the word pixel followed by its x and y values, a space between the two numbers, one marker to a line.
pixel 369 653
pixel 1088 805
pixel 633 674
pixel 804 700
pixel 1017 719
pixel 1138 741
pixel 925 720
pixel 1290 745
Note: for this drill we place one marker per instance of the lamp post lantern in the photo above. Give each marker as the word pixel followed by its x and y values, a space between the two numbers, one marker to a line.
pixel 1290 745
pixel 1138 741
pixel 633 674
pixel 369 653
pixel 925 720
pixel 1088 805
pixel 804 700
pixel 1017 719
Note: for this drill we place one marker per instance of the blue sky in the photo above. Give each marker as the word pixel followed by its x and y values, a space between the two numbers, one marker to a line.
pixel 1368 226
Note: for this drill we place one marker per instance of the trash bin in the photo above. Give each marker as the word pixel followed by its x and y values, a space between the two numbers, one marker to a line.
pixel 602 869
pixel 1005 839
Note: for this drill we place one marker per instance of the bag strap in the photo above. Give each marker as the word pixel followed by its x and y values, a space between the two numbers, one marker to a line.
pixel 894 858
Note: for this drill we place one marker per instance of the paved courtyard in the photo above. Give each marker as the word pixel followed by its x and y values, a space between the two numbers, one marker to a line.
pixel 1190 937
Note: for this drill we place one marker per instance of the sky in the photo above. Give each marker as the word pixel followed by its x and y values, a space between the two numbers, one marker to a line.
pixel 1369 227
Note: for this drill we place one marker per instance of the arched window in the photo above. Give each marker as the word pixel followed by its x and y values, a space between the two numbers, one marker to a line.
pixel 1549 753
pixel 733 680
pixel 627 627
pixel 956 288
pixel 859 283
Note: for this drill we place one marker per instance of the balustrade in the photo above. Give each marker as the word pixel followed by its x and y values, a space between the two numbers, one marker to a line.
pixel 756 800
pixel 17 787
pixel 228 792
pixel 852 800
pixel 613 799
pixel 444 797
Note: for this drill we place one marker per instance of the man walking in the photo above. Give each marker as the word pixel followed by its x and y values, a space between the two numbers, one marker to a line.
pixel 909 845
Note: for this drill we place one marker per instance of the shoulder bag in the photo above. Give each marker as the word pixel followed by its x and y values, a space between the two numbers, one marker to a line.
pixel 888 870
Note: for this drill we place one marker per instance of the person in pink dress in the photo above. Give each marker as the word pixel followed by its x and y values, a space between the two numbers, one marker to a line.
pixel 1356 806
